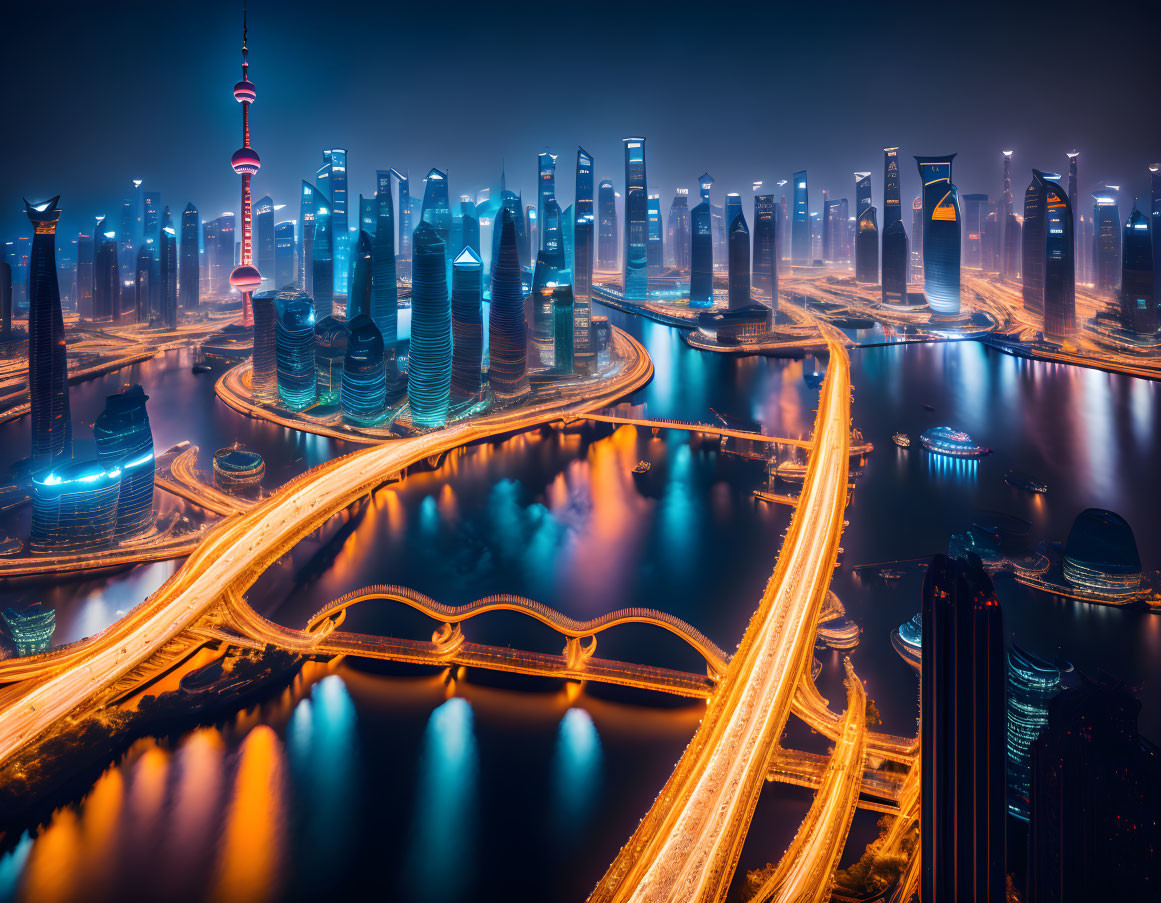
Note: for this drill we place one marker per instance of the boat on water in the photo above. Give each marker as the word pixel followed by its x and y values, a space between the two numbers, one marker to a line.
pixel 1018 480
pixel 944 440
pixel 891 573
pixel 642 468
pixel 201 368
pixel 902 440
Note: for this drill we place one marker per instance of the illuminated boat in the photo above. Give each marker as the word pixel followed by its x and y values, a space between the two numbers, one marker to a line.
pixel 902 440
pixel 1018 480
pixel 642 467
pixel 907 639
pixel 943 440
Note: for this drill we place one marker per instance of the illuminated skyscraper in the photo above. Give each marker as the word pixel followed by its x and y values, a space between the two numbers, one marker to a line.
pixel 331 180
pixel 294 349
pixel 765 279
pixel 1138 304
pixel 733 209
pixel 545 187
pixel 1073 194
pixel 895 264
pixel 507 324
pixel 634 272
pixel 1155 226
pixel 264 223
pixel 31 629
pixel 1033 238
pixel 106 278
pixel 285 268
pixel 1106 245
pixel 359 298
pixel 167 295
pixel 800 231
pixel 701 255
pixel 125 237
pixel 125 444
pixel 405 216
pixel 606 226
pixel 364 394
pixel 322 259
pixel 1059 263
pixel 941 231
pixel 1032 682
pixel 429 368
pixel 679 230
pixel 1010 263
pixel 467 325
pixel 655 249
pixel 306 238
pixel 143 279
pixel 48 380
pixel 384 287
pixel 892 206
pixel 330 350
pixel 469 226
pixel 191 225
pixel 74 508
pixel 563 328
pixel 584 354
pixel 84 276
pixel 244 277
pixel 550 271
pixel 867 248
pixel 264 374
pixel 739 263
pixel 151 213
pixel 436 210
pixel 974 210
pixel 962 730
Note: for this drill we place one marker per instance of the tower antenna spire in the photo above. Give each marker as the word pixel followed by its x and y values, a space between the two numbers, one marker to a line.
pixel 245 277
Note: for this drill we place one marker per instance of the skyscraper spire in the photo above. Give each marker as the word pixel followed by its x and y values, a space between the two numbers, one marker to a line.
pixel 245 162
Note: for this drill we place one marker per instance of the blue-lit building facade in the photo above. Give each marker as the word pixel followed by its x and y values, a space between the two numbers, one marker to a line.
pixel 48 385
pixel 264 369
pixel 294 349
pixel 764 282
pixel 189 272
pixel 655 250
pixel 701 255
pixel 74 508
pixel 125 443
pixel 322 258
pixel 678 230
pixel 430 358
pixel 306 208
pixel 941 235
pixel 467 325
pixel 436 209
pixel 1032 682
pixel 584 246
pixel 545 190
pixel 330 349
pixel 384 286
pixel 1106 241
pixel 800 228
pixel 507 323
pixel 1138 304
pixel 331 180
pixel 285 243
pixel 634 269
pixel 739 262
pixel 359 297
pixel 606 226
pixel 364 387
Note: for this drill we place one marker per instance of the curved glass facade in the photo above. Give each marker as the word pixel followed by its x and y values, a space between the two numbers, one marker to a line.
pixel 1059 263
pixel 562 328
pixel 765 279
pixel 264 373
pixel 330 349
pixel 701 255
pixel 48 385
pixel 467 325
pixel 364 395
pixel 74 508
pixel 507 326
pixel 436 210
pixel 941 235
pixel 125 443
pixel 1032 682
pixel 429 368
pixel 294 349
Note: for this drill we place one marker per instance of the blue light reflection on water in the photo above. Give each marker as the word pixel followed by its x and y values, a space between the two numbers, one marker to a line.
pixel 576 772
pixel 678 512
pixel 12 867
pixel 441 864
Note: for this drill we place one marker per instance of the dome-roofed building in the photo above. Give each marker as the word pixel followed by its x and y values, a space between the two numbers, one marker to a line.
pixel 1100 556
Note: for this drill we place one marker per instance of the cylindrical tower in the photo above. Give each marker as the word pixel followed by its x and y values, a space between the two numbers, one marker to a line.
pixel 245 162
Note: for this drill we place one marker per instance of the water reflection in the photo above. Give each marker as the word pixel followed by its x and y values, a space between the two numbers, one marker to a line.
pixel 12 867
pixel 576 772
pixel 441 865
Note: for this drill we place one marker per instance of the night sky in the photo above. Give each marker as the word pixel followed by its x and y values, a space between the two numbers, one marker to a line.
pixel 97 94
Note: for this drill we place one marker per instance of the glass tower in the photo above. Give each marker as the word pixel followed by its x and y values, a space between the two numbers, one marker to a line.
pixel 306 239
pixel 892 206
pixel 364 392
pixel 606 226
pixel 765 279
pixel 168 294
pixel 739 262
pixel 634 270
pixel 48 380
pixel 405 213
pixel 294 349
pixel 467 325
pixel 264 250
pixel 384 287
pixel 322 259
pixel 701 255
pixel 679 230
pixel 800 231
pixel 563 328
pixel 1032 682
pixel 436 210
pixel 895 263
pixel 359 298
pixel 1139 312
pixel 1059 262
pixel 1106 243
pixel 867 248
pixel 429 368
pixel 188 289
pixel 125 443
pixel 507 325
pixel 106 279
pixel 143 279
pixel 74 508
pixel 330 349
pixel 285 272
pixel 332 180
pixel 546 188
pixel 264 372
pixel 941 231
pixel 655 251
pixel 582 264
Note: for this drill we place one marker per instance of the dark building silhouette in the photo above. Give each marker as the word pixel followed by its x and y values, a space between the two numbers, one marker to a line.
pixel 634 268
pixel 867 248
pixel 125 445
pixel 106 278
pixel 84 276
pixel 800 229
pixel 1106 242
pixel 507 324
pixel 191 226
pixel 285 269
pixel 739 263
pixel 1032 682
pixel 143 278
pixel 429 361
pixel 405 214
pixel 941 235
pixel 264 375
pixel 764 282
pixel 364 394
pixel 1155 226
pixel 1033 242
pixel 359 298
pixel 5 300
pixel 1139 312
pixel 606 226
pixel 167 296
pixel 892 200
pixel 678 231
pixel 1095 829
pixel 1100 555
pixel 48 382
pixel 322 258
pixel 962 728
pixel 701 255
pixel 563 328
pixel 895 263
pixel 1059 264
pixel 384 287
pixel 1010 240
pixel 467 325
pixel 264 240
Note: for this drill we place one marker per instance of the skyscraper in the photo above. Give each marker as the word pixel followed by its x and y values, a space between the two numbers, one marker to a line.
pixel 106 278
pixel 191 225
pixel 1106 243
pixel 800 230
pixel 549 273
pixel 679 230
pixel 143 280
pixel 1059 263
pixel 359 297
pixel 584 353
pixel 962 730
pixel 322 258
pixel 634 271
pixel 264 217
pixel 1155 226
pixel 294 349
pixel 429 368
pixel 895 264
pixel 330 350
pixel 1032 682
pixel 1138 304
pixel 245 277
pixel 1033 242
pixel 917 239
pixel 941 242
pixel 701 255
pixel 655 247
pixel 467 325
pixel 974 210
pixel 331 180
pixel 1073 194
pixel 1010 264
pixel 545 188
pixel 125 444
pixel 364 394
pixel 74 508
pixel 5 300
pixel 405 214
pixel 285 269
pixel 739 262
pixel 167 295
pixel 264 372
pixel 436 210
pixel 306 238
pixel 606 226
pixel 765 278
pixel 563 328
pixel 48 380
pixel 507 325
pixel 384 287
pixel 892 206
pixel 84 278
pixel 867 248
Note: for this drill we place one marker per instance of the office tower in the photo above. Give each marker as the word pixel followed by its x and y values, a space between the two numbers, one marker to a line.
pixel 974 206
pixel 654 249
pixel 364 393
pixel 992 238
pixel 532 227
pixel 510 203
pixel 168 293
pixel 733 209
pixel 306 208
pixel 1059 265
pixel 962 721
pixel 895 264
pixel 552 237
pixel 384 288
pixel 1138 304
pixel 84 278
pixel 5 300
pixel 634 273
pixel 1106 246
pixel 1011 257
pixel 331 180
pixel 143 280
pixel 862 193
pixel 765 278
pixel 359 298
pixel 48 380
pixel 264 224
pixel 405 214
pixel 1033 242
pixel 833 221
pixel 1084 241
pixel 705 187
pixel 125 237
pixel 190 259
pixel 701 255
pixel 467 313
pixel 545 188
pixel 867 248
pixel 436 210
pixel 606 226
pixel 739 263
pixel 1032 682
pixel 151 212
pixel 800 237
pixel 507 325
pixel 429 367
pixel 294 349
pixel 125 444
pixel 264 373
pixel 469 226
pixel 1094 832
pixel 1155 226
pixel 584 354
pixel 367 214
pixel 285 269
pixel 31 629
pixel 563 328
pixel 218 241
pixel 330 350
pixel 74 508
pixel 1073 195
pixel 245 277
pixel 550 272
pixel 322 260
pixel 106 278
pixel 848 225
pixel 941 242
pixel 892 206
pixel 679 230
pixel 1010 264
